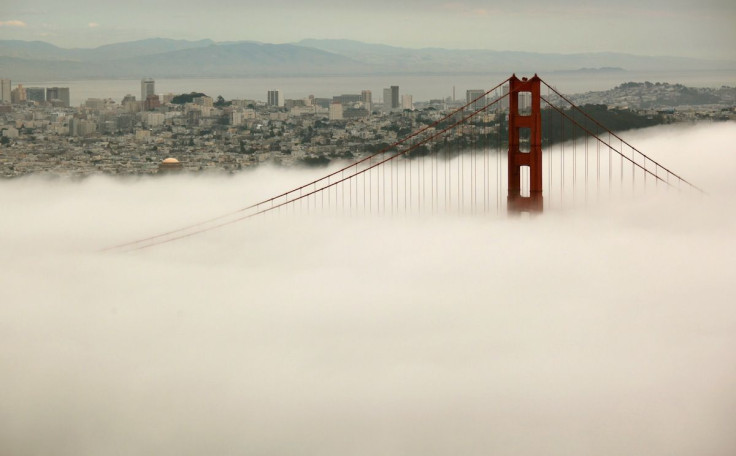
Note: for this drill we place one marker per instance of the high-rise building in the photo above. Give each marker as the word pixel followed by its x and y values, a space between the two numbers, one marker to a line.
pixel 148 87
pixel 367 98
pixel 391 98
pixel 37 94
pixel 472 94
pixel 59 94
pixel 504 104
pixel 5 91
pixel 335 111
pixel 18 95
pixel 407 102
pixel 275 98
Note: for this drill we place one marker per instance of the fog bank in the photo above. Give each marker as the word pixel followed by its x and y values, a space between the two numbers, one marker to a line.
pixel 608 329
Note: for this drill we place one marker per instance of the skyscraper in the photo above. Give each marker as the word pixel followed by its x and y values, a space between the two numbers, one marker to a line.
pixel 387 99
pixel 472 94
pixel 367 98
pixel 275 98
pixel 504 104
pixel 4 90
pixel 59 94
pixel 148 87
pixel 18 95
pixel 407 102
pixel 391 98
pixel 37 94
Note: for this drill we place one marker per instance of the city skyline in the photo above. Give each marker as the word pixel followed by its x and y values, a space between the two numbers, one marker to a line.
pixel 656 27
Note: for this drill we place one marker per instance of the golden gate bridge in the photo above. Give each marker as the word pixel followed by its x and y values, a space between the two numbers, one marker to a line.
pixel 432 170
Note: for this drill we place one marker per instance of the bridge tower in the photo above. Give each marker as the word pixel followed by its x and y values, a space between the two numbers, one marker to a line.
pixel 525 145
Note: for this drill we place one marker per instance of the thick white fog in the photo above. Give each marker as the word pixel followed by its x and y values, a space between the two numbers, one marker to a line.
pixel 607 330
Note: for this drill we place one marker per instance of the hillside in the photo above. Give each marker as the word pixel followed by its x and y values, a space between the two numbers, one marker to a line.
pixel 158 57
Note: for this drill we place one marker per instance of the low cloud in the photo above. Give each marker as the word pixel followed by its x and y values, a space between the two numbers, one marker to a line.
pixel 13 23
pixel 607 330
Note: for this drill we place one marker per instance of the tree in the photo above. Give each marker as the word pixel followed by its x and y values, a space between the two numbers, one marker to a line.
pixel 186 97
pixel 220 102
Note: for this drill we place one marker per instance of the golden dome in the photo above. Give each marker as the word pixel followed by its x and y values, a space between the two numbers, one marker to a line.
pixel 170 160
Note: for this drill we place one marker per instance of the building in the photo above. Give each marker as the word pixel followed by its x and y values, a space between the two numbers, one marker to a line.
pixel 504 104
pixel 18 95
pixel 205 101
pixel 148 87
pixel 10 132
pixel 236 118
pixel 471 95
pixel 37 94
pixel 95 103
pixel 322 102
pixel 391 99
pixel 169 165
pixel 126 122
pixel 5 95
pixel 130 104
pixel 58 94
pixel 143 135
pixel 347 99
pixel 335 111
pixel 275 98
pixel 81 127
pixel 407 102
pixel 87 127
pixel 74 126
pixel 367 98
pixel 152 102
pixel 153 119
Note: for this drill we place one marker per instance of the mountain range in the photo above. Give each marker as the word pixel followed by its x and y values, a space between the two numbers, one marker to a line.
pixel 166 58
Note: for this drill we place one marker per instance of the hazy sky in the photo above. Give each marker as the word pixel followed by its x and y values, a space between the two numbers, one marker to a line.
pixel 672 27
pixel 370 335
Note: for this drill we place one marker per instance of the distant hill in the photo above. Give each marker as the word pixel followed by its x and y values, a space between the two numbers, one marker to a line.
pixel 138 49
pixel 36 50
pixel 244 59
pixel 459 60
pixel 210 60
pixel 159 57
pixel 39 50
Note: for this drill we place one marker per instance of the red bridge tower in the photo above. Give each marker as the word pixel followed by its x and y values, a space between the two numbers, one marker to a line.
pixel 528 199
